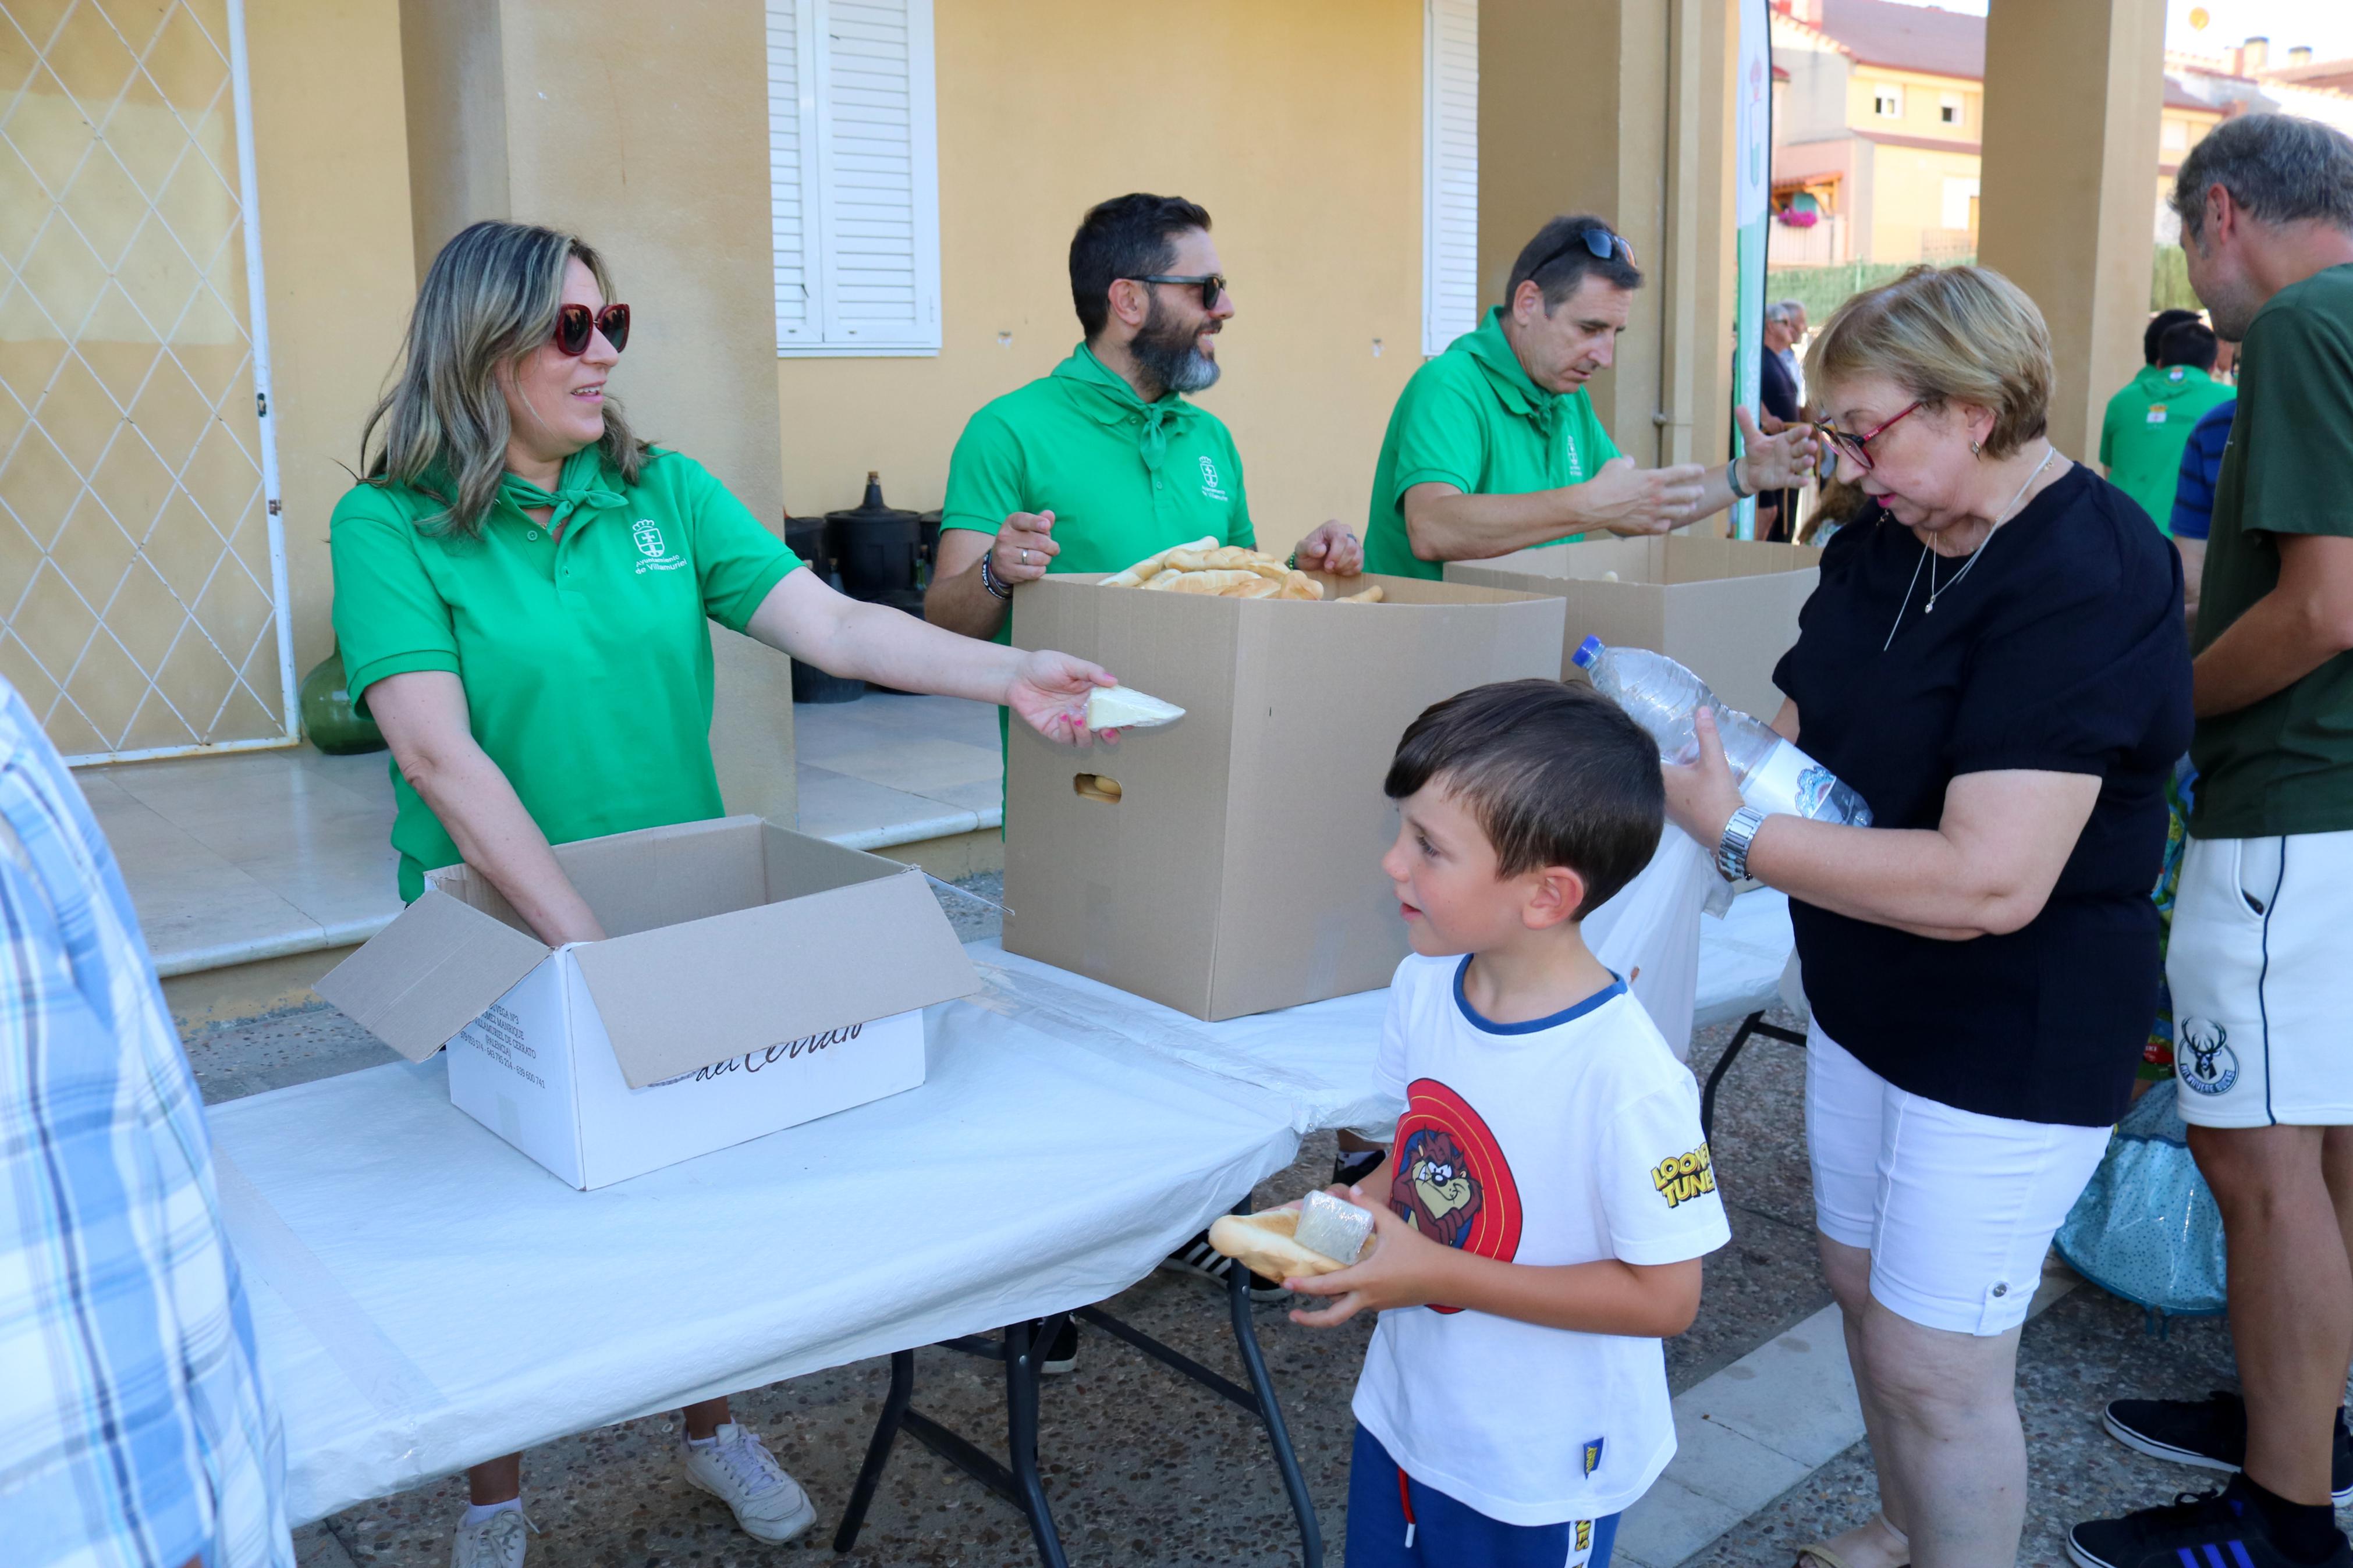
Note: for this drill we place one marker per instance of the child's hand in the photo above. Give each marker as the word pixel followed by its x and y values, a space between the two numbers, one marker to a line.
pixel 1400 1272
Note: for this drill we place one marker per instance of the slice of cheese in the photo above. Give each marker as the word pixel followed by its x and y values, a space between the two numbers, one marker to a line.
pixel 1121 707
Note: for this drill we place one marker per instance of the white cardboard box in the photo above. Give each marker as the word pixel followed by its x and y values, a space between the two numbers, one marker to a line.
pixel 752 979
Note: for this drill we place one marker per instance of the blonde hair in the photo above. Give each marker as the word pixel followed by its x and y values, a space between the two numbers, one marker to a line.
pixel 490 299
pixel 1948 334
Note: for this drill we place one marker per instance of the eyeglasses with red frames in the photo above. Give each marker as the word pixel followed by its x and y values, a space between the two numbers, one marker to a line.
pixel 577 326
pixel 1858 446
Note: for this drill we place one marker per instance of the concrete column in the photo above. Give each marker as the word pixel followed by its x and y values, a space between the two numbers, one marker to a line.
pixel 2073 94
pixel 1619 107
pixel 643 130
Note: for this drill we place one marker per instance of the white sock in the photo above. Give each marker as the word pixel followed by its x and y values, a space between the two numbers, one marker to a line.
pixel 476 1513
pixel 710 1442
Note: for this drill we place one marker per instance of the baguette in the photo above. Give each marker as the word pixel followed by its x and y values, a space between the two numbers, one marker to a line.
pixel 1263 1244
pixel 1372 595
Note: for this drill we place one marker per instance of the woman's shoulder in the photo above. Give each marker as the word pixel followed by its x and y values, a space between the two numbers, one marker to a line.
pixel 384 502
pixel 2101 532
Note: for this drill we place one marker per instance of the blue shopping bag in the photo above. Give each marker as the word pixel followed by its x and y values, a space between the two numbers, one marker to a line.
pixel 2146 1228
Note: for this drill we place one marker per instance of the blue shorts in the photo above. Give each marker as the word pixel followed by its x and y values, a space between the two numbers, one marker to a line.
pixel 1395 1522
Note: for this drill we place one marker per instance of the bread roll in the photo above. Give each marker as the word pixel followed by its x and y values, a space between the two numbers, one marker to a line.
pixel 1263 1244
pixel 1372 595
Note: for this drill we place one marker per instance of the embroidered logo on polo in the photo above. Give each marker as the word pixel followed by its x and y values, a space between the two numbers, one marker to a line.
pixel 2203 1058
pixel 1211 486
pixel 1453 1182
pixel 648 535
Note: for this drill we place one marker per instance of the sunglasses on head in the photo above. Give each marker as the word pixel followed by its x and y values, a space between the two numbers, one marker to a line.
pixel 1212 284
pixel 577 326
pixel 1601 243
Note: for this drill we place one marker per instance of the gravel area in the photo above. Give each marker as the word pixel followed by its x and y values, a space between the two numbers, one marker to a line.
pixel 1148 1470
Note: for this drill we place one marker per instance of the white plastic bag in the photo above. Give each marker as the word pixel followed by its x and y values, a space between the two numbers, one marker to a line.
pixel 1649 933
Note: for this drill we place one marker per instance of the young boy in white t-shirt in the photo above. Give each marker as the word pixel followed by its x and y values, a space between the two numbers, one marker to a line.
pixel 1548 1190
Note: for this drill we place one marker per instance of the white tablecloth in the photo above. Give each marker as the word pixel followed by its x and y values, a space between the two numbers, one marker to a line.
pixel 426 1297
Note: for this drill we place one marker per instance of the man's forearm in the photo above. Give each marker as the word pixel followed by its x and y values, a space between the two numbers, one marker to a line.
pixel 962 603
pixel 2279 641
pixel 1460 527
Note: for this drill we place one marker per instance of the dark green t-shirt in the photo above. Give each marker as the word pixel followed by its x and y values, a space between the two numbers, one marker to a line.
pixel 585 661
pixel 1473 418
pixel 2283 764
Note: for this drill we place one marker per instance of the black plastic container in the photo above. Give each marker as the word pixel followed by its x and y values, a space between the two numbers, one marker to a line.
pixel 878 548
pixel 807 538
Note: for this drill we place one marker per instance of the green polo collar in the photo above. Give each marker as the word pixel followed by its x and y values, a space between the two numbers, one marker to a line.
pixel 1510 381
pixel 1110 400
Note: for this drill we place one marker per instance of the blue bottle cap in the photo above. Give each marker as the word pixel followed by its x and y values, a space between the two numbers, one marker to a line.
pixel 1586 652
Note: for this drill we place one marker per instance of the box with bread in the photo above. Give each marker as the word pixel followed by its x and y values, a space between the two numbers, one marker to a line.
pixel 1229 862
pixel 1724 608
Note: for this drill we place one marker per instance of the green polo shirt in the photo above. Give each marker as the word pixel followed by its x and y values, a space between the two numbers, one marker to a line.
pixel 2283 764
pixel 1472 419
pixel 2147 427
pixel 585 661
pixel 1122 478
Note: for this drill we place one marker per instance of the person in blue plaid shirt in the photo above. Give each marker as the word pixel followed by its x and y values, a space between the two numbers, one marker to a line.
pixel 134 1430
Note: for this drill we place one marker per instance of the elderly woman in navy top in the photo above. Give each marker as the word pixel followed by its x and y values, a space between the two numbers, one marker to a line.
pixel 1995 660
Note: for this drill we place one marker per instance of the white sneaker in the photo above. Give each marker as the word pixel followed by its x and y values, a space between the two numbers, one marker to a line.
pixel 739 1471
pixel 496 1543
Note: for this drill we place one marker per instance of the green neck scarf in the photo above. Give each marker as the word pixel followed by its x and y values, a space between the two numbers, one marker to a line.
pixel 1116 401
pixel 580 488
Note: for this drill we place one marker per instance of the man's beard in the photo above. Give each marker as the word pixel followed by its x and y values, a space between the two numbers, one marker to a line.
pixel 1169 354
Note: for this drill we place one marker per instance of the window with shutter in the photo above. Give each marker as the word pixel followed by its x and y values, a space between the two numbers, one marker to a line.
pixel 1449 202
pixel 854 176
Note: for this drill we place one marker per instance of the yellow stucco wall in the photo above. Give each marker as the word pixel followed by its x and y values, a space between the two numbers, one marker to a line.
pixel 1908 196
pixel 331 157
pixel 1298 126
pixel 1922 96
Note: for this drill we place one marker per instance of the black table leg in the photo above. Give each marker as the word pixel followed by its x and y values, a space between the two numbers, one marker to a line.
pixel 878 1452
pixel 1310 1533
pixel 1754 1024
pixel 1023 1346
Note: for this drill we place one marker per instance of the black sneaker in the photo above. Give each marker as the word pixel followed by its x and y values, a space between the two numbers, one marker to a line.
pixel 1061 1354
pixel 2211 1434
pixel 1197 1258
pixel 2215 1530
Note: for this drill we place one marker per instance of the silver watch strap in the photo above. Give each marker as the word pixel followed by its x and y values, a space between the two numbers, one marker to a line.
pixel 1731 853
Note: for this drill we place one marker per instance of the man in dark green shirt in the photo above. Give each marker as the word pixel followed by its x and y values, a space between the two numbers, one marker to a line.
pixel 2263 922
pixel 1494 446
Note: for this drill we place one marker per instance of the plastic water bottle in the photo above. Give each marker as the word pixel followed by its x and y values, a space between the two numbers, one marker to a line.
pixel 1663 697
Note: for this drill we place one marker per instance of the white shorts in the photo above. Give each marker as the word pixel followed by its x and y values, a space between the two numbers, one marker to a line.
pixel 2261 965
pixel 1956 1208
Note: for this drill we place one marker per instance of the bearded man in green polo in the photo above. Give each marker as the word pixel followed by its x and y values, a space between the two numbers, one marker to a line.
pixel 1103 462
pixel 1494 446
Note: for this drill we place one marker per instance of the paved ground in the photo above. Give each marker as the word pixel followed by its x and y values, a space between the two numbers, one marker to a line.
pixel 1149 1471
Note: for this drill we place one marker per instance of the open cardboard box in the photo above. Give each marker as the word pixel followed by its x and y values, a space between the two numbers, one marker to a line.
pixel 1229 863
pixel 1724 608
pixel 751 979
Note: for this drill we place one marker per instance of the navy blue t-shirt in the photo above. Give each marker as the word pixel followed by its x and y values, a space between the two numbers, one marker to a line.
pixel 2062 651
pixel 2201 465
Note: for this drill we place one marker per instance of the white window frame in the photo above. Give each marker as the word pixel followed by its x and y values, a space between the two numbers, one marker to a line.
pixel 1891 95
pixel 1951 109
pixel 1449 283
pixel 823 333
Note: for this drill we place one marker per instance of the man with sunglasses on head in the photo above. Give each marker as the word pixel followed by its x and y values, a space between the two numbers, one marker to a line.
pixel 1494 446
pixel 1103 462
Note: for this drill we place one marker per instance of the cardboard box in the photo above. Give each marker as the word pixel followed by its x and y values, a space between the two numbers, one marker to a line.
pixel 752 979
pixel 1724 608
pixel 1237 868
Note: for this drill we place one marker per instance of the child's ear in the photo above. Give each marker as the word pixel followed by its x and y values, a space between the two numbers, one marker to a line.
pixel 1558 893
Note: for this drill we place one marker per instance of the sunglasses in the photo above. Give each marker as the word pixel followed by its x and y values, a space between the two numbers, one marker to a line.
pixel 1600 243
pixel 1212 284
pixel 1857 447
pixel 577 326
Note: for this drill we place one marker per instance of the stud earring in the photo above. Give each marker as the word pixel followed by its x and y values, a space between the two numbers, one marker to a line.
pixel 1977 448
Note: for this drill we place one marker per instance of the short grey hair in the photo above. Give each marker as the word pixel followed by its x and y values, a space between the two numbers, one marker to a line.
pixel 1782 310
pixel 1795 307
pixel 2280 167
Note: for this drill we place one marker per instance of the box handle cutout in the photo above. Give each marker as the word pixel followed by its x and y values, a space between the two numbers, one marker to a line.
pixel 1097 786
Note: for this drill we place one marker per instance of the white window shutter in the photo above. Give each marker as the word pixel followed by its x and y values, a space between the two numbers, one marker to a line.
pixel 855 171
pixel 1450 204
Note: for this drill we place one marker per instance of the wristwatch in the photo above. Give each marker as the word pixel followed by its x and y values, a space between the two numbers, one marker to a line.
pixel 988 578
pixel 1732 853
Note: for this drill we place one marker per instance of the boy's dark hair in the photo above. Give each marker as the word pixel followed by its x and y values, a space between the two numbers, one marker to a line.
pixel 1557 260
pixel 1556 775
pixel 2153 335
pixel 2187 342
pixel 1127 237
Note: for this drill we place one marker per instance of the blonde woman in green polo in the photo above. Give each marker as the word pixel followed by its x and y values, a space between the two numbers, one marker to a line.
pixel 521 588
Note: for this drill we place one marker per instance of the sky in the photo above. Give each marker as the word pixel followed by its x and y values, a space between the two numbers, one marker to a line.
pixel 2326 24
